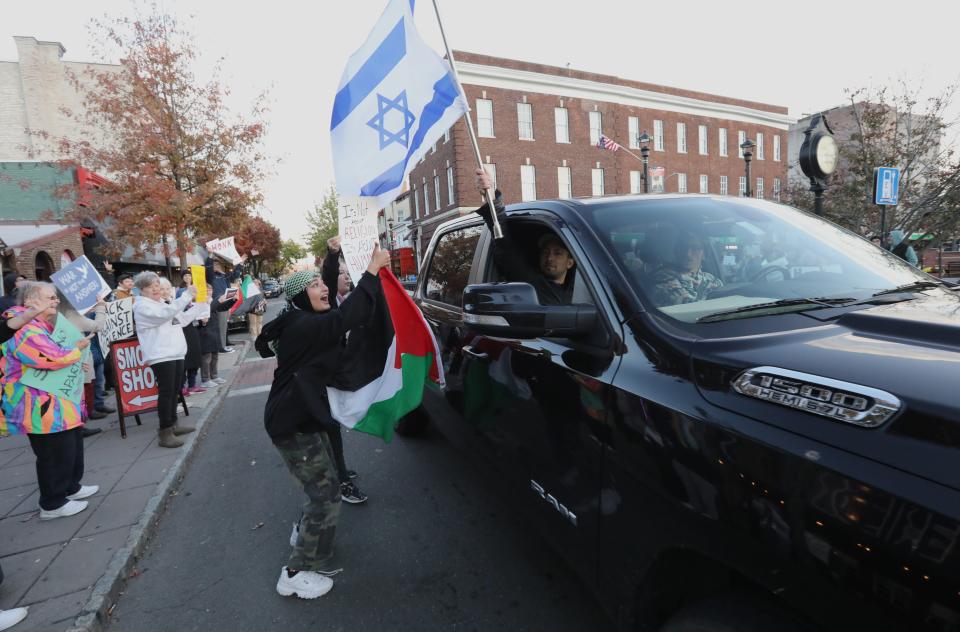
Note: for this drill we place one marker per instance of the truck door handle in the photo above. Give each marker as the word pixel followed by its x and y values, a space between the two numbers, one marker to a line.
pixel 476 355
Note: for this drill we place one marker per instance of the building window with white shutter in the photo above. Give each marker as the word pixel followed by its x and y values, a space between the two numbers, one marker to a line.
pixel 658 135
pixel 776 188
pixel 741 139
pixel 633 132
pixel 426 199
pixel 682 182
pixel 724 188
pixel 446 136
pixel 704 183
pixel 416 204
pixel 656 184
pixel 528 183
pixel 636 181
pixel 562 123
pixel 525 121
pixel 743 186
pixel 776 148
pixel 564 183
pixel 723 141
pixel 596 127
pixel 760 151
pixel 597 178
pixel 485 118
pixel 759 192
pixel 681 138
pixel 703 140
pixel 451 187
pixel 436 192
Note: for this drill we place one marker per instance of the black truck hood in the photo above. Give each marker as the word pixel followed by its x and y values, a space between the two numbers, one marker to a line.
pixel 909 349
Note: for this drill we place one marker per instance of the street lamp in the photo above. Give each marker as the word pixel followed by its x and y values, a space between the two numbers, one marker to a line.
pixel 747 148
pixel 645 153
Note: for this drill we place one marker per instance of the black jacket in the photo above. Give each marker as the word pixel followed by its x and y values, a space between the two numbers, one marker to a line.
pixel 210 333
pixel 309 352
pixel 512 265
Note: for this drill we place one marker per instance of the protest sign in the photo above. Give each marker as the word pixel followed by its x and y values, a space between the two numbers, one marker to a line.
pixel 68 381
pixel 81 284
pixel 224 248
pixel 199 275
pixel 119 323
pixel 357 217
pixel 137 390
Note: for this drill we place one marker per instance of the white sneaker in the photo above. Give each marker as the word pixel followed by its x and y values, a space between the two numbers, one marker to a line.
pixel 72 507
pixel 209 384
pixel 219 380
pixel 85 491
pixel 305 584
pixel 10 618
pixel 295 534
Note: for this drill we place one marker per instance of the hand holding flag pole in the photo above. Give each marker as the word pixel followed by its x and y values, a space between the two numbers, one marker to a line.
pixel 488 194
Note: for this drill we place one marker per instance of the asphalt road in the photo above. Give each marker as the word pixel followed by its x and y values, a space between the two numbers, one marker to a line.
pixel 433 548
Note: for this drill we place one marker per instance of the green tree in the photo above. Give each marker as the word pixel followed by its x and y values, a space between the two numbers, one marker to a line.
pixel 323 223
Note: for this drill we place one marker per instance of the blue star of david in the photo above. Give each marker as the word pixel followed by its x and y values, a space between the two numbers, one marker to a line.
pixel 384 106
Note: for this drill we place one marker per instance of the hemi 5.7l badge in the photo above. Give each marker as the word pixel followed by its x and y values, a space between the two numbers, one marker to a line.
pixel 841 401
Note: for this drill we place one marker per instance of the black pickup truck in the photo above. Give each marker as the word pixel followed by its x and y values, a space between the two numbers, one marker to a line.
pixel 745 418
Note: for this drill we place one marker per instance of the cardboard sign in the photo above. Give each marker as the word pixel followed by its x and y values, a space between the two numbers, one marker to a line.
pixel 81 284
pixel 68 381
pixel 224 248
pixel 199 274
pixel 136 383
pixel 357 217
pixel 119 325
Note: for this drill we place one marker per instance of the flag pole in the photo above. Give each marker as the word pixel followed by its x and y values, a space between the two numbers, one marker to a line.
pixel 497 231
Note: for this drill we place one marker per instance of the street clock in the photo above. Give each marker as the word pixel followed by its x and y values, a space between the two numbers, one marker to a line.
pixel 819 155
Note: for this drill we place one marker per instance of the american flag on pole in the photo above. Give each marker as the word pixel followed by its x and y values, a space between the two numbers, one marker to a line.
pixel 607 143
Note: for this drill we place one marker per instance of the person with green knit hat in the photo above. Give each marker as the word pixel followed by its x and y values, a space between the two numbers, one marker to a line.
pixel 307 339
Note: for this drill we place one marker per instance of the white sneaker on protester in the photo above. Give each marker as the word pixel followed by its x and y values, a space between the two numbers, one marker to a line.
pixel 85 491
pixel 10 618
pixel 209 384
pixel 219 380
pixel 72 507
pixel 305 584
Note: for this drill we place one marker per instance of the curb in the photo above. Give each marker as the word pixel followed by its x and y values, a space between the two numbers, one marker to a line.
pixel 96 612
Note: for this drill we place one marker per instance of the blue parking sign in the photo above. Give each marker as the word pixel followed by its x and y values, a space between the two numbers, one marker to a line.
pixel 886 186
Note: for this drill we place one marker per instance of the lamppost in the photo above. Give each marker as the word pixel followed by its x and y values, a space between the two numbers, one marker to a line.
pixel 747 148
pixel 645 153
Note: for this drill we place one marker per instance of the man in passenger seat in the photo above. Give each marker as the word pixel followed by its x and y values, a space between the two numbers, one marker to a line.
pixel 680 279
pixel 554 279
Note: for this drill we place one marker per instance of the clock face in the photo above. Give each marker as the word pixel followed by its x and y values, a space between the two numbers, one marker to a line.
pixel 827 154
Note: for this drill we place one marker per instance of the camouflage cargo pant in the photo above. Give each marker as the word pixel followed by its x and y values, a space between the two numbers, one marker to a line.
pixel 310 459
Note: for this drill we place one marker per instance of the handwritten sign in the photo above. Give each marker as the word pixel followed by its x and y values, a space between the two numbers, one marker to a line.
pixel 136 382
pixel 358 232
pixel 68 381
pixel 199 276
pixel 119 324
pixel 81 284
pixel 224 248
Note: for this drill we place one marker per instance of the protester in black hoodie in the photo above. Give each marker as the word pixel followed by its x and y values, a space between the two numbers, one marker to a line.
pixel 307 340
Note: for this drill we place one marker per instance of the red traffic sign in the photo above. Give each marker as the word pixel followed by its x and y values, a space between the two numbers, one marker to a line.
pixel 136 383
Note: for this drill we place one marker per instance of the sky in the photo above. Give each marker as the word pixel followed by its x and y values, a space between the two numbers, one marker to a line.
pixel 799 55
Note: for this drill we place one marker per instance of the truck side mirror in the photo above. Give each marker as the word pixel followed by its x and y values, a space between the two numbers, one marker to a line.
pixel 513 310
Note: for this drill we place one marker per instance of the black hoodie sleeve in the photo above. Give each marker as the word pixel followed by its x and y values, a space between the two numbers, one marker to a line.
pixel 330 274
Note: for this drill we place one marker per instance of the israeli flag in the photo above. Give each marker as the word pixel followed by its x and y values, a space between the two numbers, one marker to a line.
pixel 396 97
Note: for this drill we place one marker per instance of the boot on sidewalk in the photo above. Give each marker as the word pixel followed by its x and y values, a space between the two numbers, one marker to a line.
pixel 182 429
pixel 168 439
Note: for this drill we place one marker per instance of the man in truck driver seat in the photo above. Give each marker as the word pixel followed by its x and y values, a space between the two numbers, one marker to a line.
pixel 554 281
pixel 680 279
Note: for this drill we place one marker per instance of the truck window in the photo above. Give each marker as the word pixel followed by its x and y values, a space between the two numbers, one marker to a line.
pixel 450 265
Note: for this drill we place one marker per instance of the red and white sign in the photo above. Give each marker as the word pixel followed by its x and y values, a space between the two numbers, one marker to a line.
pixel 136 383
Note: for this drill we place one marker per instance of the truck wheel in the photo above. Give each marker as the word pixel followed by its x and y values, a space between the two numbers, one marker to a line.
pixel 412 424
pixel 733 614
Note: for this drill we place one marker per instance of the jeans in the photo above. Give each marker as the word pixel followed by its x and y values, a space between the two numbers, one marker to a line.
pixel 169 380
pixel 59 466
pixel 208 366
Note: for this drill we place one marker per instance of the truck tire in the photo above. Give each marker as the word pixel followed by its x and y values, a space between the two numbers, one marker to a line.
pixel 735 613
pixel 413 424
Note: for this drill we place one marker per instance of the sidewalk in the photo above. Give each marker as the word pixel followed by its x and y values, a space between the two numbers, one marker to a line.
pixel 68 569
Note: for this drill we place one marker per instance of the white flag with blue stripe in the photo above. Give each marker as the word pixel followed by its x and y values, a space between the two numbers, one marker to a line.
pixel 396 97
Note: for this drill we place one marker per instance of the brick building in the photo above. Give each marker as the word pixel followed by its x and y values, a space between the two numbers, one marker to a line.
pixel 538 127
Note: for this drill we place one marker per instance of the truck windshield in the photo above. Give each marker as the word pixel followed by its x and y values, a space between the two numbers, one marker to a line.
pixel 702 259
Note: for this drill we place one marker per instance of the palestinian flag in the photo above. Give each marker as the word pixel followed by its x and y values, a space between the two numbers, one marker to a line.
pixel 401 340
pixel 248 297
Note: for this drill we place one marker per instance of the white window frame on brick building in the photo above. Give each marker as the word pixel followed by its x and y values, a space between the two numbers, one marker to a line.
pixel 743 186
pixel 564 183
pixel 702 129
pixel 528 183
pixel 759 192
pixel 416 204
pixel 596 182
pixel 596 126
pixel 485 118
pixel 426 198
pixel 658 135
pixel 761 153
pixel 561 122
pixel 491 168
pixel 776 189
pixel 724 186
pixel 451 187
pixel 633 132
pixel 704 183
pixel 681 138
pixel 446 136
pixel 436 192
pixel 776 148
pixel 681 183
pixel 636 182
pixel 741 139
pixel 723 141
pixel 525 121
pixel 656 184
